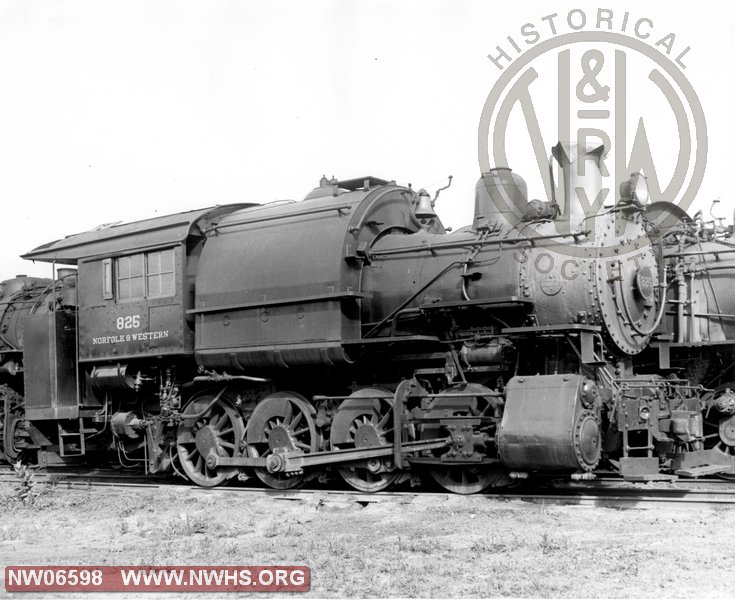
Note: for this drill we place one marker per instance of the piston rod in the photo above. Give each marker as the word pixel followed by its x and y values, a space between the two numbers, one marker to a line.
pixel 283 462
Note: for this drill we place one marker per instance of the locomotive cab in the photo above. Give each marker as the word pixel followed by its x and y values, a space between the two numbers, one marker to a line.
pixel 109 333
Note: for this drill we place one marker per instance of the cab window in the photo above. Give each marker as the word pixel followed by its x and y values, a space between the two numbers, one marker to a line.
pixel 145 275
pixel 160 274
pixel 129 272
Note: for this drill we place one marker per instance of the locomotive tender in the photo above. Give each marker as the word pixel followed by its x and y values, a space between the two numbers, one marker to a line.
pixel 350 333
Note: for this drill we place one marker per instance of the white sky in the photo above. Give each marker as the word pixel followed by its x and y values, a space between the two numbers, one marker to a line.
pixel 118 111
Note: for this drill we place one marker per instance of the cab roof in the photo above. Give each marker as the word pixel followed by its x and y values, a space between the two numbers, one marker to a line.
pixel 131 237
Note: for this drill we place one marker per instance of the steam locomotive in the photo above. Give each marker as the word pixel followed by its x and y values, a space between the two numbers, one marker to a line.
pixel 351 334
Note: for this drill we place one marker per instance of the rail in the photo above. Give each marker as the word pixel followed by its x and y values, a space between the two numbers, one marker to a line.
pixel 608 492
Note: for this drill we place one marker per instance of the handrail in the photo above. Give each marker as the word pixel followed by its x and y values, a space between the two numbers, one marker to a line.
pixel 276 302
pixel 303 213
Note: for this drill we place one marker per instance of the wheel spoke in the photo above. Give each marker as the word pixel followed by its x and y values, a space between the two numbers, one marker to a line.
pixel 384 421
pixel 357 425
pixel 284 421
pixel 288 414
pixel 296 420
pixel 195 441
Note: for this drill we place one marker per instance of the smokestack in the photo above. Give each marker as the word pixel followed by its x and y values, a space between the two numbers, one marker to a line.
pixel 582 180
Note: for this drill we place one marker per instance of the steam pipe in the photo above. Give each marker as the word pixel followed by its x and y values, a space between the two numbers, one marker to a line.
pixel 681 294
pixel 692 318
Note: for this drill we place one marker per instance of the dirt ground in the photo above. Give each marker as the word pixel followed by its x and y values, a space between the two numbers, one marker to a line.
pixel 423 547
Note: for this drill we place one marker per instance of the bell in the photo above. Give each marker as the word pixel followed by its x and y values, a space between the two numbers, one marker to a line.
pixel 425 210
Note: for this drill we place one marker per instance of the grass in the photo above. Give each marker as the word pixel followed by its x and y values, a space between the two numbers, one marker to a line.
pixel 458 547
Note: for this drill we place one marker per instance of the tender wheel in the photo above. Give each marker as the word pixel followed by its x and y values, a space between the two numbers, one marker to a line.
pixel 366 419
pixel 13 436
pixel 15 439
pixel 282 422
pixel 218 432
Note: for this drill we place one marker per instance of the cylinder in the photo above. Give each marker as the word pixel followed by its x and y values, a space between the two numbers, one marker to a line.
pixel 546 425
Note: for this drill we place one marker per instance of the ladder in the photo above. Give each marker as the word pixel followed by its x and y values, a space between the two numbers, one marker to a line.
pixel 72 443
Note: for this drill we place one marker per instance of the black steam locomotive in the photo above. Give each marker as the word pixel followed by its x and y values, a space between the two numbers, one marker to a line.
pixel 350 333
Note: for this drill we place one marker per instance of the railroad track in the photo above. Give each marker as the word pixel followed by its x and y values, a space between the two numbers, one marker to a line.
pixel 603 493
